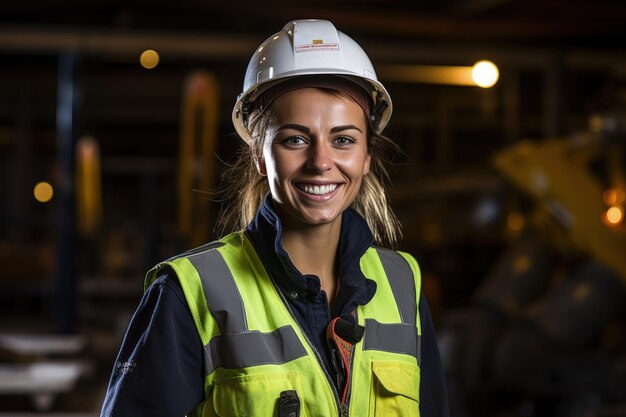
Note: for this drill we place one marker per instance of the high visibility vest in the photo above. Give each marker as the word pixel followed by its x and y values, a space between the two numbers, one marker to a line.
pixel 255 349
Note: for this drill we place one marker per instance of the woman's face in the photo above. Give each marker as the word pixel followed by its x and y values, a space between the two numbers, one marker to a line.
pixel 314 156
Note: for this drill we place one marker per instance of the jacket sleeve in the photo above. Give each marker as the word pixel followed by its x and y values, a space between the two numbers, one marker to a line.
pixel 159 368
pixel 433 389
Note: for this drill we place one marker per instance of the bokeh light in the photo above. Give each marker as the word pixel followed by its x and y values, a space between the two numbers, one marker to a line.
pixel 43 192
pixel 149 59
pixel 485 74
pixel 614 216
pixel 515 221
pixel 613 196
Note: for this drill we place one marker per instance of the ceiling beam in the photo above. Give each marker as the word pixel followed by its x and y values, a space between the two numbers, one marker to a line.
pixel 120 43
pixel 412 24
pixel 224 47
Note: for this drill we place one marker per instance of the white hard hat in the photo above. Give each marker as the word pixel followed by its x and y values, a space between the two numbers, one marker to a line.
pixel 309 47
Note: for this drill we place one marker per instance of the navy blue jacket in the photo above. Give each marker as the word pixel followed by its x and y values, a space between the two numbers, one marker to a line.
pixel 159 369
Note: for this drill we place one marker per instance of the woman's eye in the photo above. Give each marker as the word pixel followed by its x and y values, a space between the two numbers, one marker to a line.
pixel 343 140
pixel 294 141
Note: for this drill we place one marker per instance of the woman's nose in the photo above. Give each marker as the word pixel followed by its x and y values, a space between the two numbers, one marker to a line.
pixel 320 157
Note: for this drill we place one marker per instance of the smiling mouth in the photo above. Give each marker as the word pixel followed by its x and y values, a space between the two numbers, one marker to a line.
pixel 317 189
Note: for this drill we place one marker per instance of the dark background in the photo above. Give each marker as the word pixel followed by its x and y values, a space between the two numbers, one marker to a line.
pixel 560 62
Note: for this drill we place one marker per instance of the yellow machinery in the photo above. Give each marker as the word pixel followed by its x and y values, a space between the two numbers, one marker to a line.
pixel 196 167
pixel 578 186
pixel 88 187
pixel 537 328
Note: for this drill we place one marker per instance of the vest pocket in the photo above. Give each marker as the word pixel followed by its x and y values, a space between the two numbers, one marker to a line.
pixel 253 395
pixel 395 389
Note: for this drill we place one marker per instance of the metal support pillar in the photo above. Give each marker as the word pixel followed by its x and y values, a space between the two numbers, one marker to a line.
pixel 65 296
pixel 553 97
pixel 150 213
pixel 21 185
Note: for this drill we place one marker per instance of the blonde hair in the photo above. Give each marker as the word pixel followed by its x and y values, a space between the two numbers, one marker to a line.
pixel 243 188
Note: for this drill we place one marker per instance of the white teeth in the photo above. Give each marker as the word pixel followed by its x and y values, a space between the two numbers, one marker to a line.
pixel 318 189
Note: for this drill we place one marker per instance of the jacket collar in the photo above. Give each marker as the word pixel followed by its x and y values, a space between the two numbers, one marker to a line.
pixel 265 232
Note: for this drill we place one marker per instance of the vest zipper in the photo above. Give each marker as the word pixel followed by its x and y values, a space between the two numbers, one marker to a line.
pixel 345 404
pixel 342 408
pixel 349 392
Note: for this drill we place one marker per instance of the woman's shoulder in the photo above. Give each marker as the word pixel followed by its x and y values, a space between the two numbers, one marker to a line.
pixel 165 282
pixel 206 248
pixel 200 257
pixel 234 238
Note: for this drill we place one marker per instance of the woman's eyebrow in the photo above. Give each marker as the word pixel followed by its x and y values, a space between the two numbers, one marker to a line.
pixel 344 127
pixel 295 126
pixel 305 129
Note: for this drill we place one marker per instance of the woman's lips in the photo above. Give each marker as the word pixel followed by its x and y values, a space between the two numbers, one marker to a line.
pixel 317 189
pixel 318 192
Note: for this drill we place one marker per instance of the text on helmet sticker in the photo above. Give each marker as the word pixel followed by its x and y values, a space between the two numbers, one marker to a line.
pixel 317 45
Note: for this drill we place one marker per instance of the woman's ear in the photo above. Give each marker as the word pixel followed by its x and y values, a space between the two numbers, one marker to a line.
pixel 367 163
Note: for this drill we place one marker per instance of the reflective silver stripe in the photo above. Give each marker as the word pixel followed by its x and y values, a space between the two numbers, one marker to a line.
pixel 220 290
pixel 237 347
pixel 392 337
pixel 235 351
pixel 400 277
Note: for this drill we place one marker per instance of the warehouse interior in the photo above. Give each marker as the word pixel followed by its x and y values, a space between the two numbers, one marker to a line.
pixel 115 125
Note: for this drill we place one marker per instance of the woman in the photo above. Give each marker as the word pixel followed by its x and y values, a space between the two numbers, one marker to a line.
pixel 298 313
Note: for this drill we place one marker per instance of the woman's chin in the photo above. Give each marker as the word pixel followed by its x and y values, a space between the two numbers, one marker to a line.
pixel 316 217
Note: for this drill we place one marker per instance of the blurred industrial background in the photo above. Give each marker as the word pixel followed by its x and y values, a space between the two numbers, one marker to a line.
pixel 115 127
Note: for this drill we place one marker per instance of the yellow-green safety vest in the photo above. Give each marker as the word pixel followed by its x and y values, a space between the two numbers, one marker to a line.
pixel 254 349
